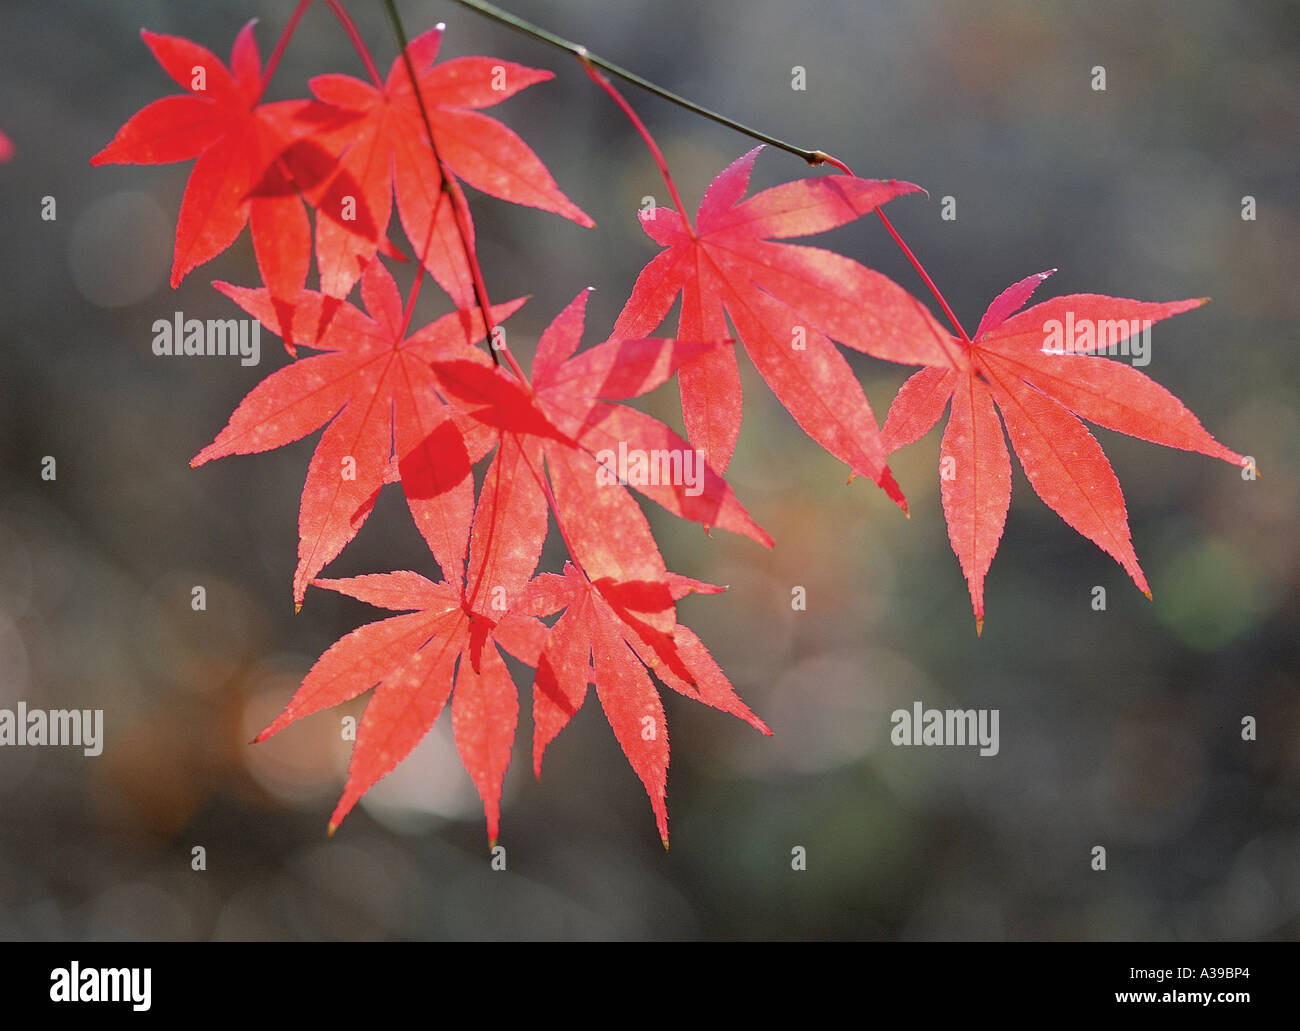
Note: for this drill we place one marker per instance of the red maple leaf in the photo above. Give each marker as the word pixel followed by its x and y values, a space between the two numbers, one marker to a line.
pixel 1041 369
pixel 443 648
pixel 786 302
pixel 375 387
pixel 377 145
pixel 239 177
pixel 415 660
pixel 560 419
pixel 593 643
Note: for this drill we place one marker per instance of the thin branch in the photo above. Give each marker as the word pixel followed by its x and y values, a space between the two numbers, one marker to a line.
pixel 639 125
pixel 273 62
pixel 291 26
pixel 350 27
pixel 813 157
pixel 916 262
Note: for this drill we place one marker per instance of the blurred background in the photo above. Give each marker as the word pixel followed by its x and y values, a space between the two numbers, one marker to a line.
pixel 1119 728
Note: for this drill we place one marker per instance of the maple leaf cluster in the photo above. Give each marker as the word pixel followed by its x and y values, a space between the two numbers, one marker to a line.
pixel 423 407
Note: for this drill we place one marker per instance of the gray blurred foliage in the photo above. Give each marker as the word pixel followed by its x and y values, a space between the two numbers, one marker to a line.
pixel 1119 728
